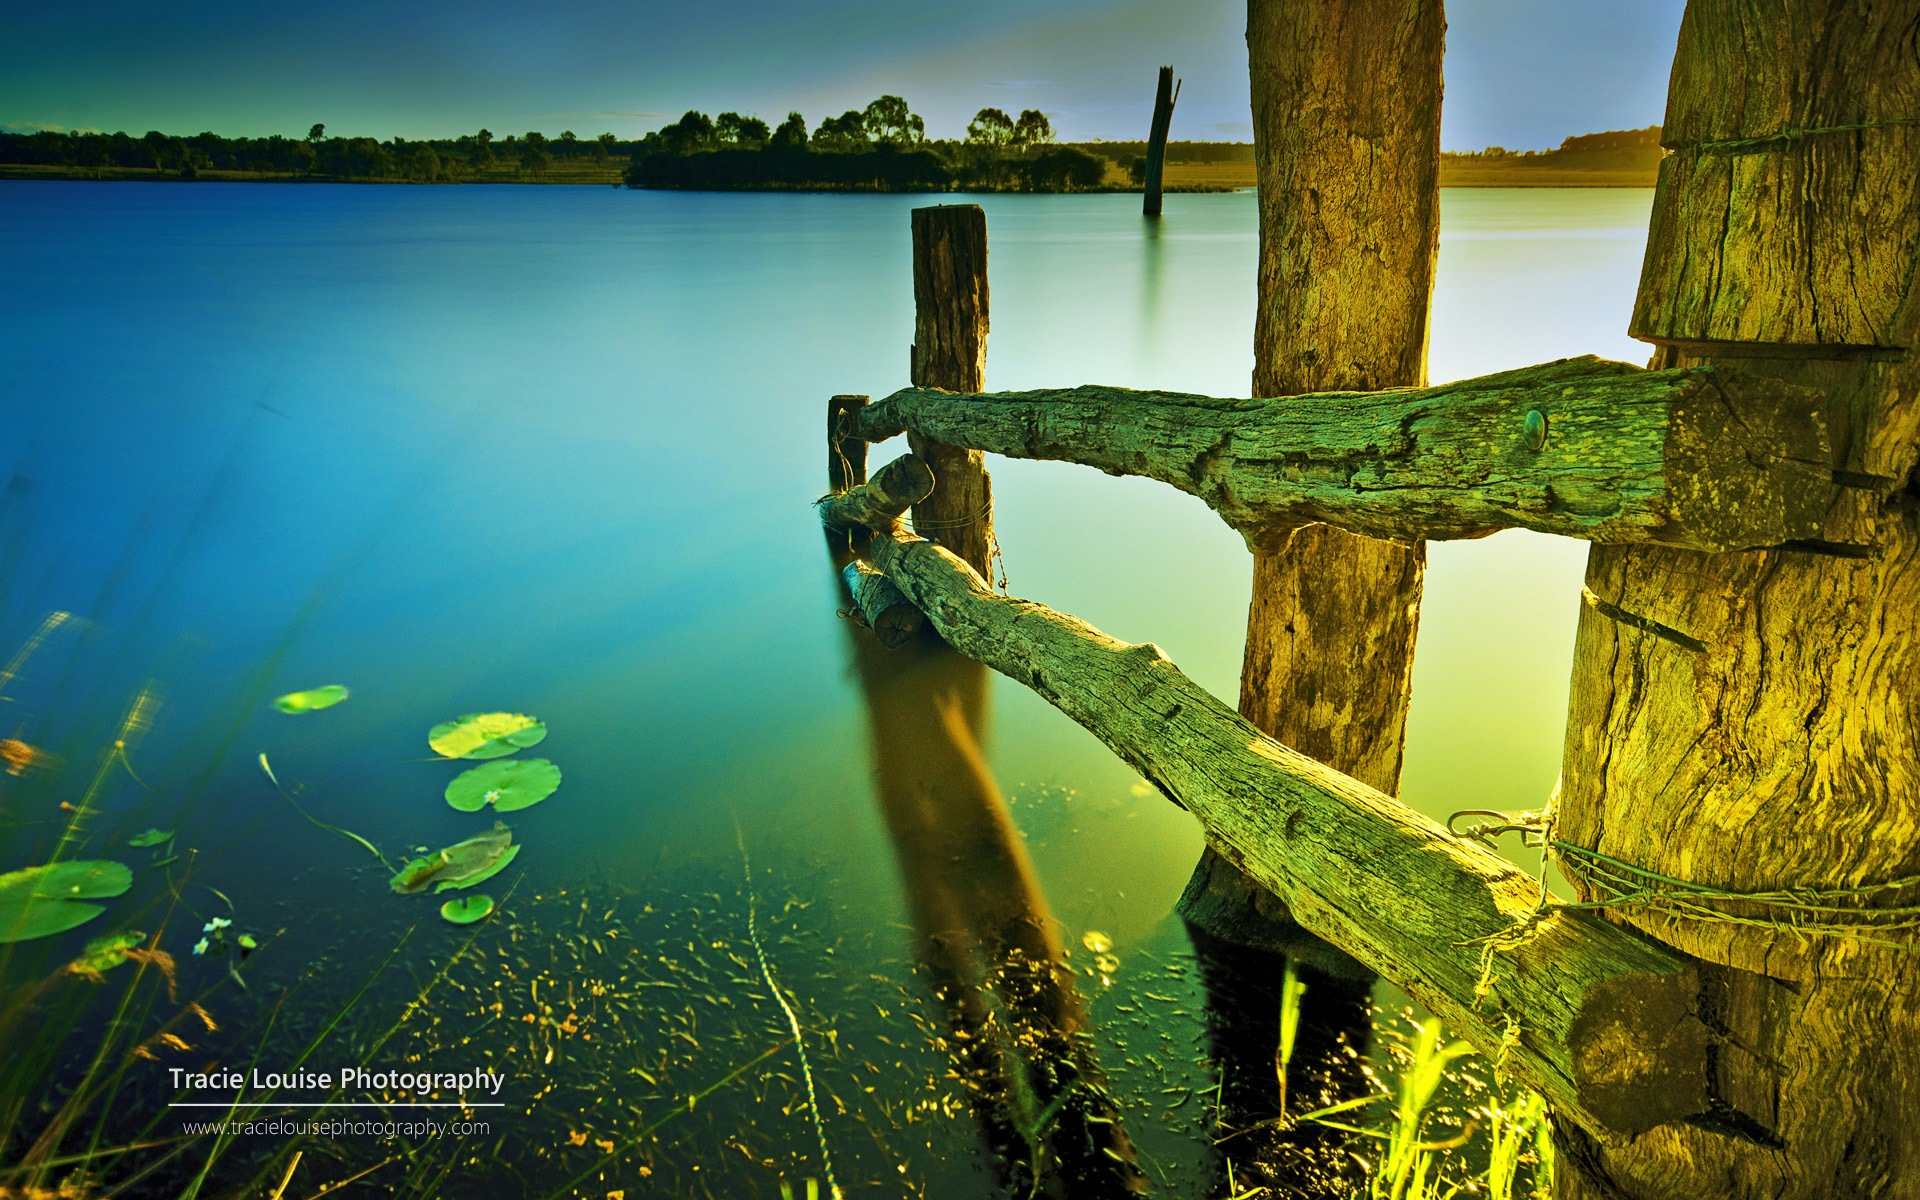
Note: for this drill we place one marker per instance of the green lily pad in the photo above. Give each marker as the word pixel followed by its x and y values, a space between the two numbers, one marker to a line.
pixel 248 942
pixel 152 837
pixel 467 910
pixel 485 735
pixel 41 901
pixel 460 865
pixel 105 953
pixel 312 700
pixel 508 786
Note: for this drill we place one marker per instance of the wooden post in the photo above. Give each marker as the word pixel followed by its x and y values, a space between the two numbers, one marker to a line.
pixel 1346 115
pixel 1781 748
pixel 1164 96
pixel 950 351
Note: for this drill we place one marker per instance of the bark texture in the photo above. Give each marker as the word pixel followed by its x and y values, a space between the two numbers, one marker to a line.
pixel 1598 1019
pixel 1706 458
pixel 878 502
pixel 1778 743
pixel 950 351
pixel 1346 119
pixel 891 617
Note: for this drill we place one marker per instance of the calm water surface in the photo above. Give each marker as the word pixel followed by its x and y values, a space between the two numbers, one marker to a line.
pixel 551 450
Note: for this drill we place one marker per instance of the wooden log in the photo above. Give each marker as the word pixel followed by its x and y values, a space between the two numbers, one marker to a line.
pixel 878 503
pixel 1165 95
pixel 1599 1020
pixel 1706 458
pixel 950 351
pixel 893 619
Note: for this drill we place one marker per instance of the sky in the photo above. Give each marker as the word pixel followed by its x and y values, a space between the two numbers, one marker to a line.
pixel 1519 73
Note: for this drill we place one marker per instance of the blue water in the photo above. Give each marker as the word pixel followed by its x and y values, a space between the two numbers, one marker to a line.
pixel 551 450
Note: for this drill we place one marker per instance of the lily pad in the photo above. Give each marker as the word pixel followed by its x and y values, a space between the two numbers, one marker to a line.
pixel 467 910
pixel 485 735
pixel 460 865
pixel 508 786
pixel 105 953
pixel 152 837
pixel 41 901
pixel 312 700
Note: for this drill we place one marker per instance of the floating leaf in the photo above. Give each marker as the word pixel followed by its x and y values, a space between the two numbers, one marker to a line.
pixel 462 864
pixel 312 700
pixel 481 875
pixel 152 837
pixel 248 942
pixel 515 784
pixel 467 910
pixel 485 735
pixel 41 901
pixel 105 953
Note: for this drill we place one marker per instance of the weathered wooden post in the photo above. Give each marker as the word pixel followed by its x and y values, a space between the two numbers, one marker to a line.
pixel 1346 104
pixel 1346 111
pixel 1164 96
pixel 950 351
pixel 1774 745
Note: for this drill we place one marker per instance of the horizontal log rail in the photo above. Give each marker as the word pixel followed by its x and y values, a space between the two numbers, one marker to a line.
pixel 1700 457
pixel 1600 1020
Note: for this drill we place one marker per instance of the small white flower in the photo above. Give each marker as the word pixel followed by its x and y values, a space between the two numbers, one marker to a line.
pixel 200 947
pixel 215 925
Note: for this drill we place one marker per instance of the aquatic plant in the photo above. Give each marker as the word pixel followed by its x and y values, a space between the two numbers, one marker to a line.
pixel 152 837
pixel 312 700
pixel 460 865
pixel 508 785
pixel 485 735
pixel 41 901
pixel 103 954
pixel 467 909
pixel 349 834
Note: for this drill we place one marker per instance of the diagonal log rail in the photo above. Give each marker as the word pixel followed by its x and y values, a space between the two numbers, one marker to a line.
pixel 1603 1022
pixel 1699 457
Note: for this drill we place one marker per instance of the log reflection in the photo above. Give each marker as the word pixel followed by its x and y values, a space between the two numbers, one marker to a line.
pixel 984 935
pixel 1259 1144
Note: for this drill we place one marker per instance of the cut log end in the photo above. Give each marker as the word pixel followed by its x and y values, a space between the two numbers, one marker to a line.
pixel 1638 1049
pixel 878 503
pixel 890 615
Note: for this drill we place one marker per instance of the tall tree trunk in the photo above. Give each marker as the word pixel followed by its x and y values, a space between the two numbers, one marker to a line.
pixel 1782 747
pixel 1346 111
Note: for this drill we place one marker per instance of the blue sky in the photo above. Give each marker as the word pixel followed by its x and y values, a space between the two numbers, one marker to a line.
pixel 1519 73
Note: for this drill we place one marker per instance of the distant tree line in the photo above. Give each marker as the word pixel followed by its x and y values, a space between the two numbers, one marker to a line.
pixel 317 156
pixel 882 147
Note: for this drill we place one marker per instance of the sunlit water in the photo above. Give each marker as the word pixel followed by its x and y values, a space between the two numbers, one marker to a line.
pixel 551 450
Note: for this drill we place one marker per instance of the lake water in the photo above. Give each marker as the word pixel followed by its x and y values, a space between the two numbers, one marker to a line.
pixel 551 450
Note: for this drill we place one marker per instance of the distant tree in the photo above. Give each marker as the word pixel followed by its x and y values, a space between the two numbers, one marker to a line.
pixel 990 127
pixel 537 140
pixel 732 129
pixel 316 133
pixel 603 147
pixel 535 158
pixel 792 134
pixel 1136 168
pixel 693 132
pixel 1032 129
pixel 422 163
pixel 483 147
pixel 1065 169
pixel 888 120
pixel 844 134
pixel 301 157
